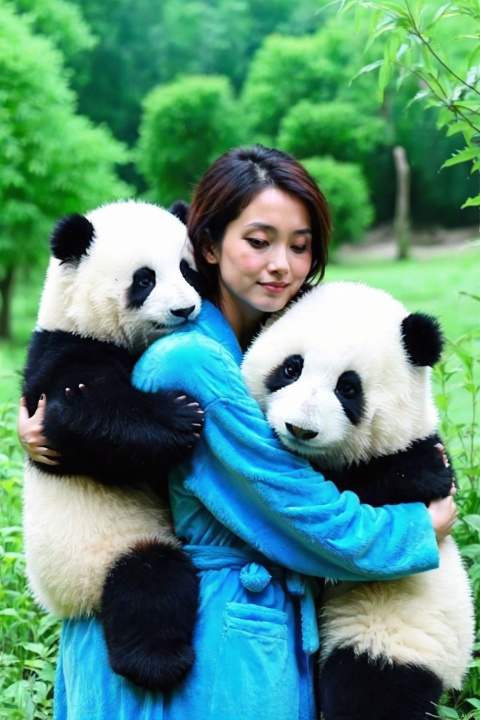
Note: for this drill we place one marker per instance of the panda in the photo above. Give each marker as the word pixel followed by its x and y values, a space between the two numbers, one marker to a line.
pixel 96 538
pixel 344 380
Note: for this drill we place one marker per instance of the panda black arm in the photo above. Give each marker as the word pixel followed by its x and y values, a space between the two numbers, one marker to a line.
pixel 111 431
pixel 417 474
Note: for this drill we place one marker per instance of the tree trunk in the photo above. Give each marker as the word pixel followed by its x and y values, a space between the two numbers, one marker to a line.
pixel 6 284
pixel 402 203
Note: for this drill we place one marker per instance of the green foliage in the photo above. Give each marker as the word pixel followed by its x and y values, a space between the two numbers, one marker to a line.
pixel 284 71
pixel 344 186
pixel 345 132
pixel 419 43
pixel 436 196
pixel 61 21
pixel 54 160
pixel 459 372
pixel 144 43
pixel 332 128
pixel 185 126
pixel 28 638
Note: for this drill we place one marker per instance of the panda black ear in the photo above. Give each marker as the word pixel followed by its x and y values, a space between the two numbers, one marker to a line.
pixel 71 238
pixel 180 210
pixel 422 339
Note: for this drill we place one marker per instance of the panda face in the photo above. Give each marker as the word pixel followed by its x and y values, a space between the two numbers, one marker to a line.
pixel 314 407
pixel 334 379
pixel 125 282
pixel 348 389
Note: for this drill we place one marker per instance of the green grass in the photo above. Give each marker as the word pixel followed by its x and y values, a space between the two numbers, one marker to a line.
pixel 12 354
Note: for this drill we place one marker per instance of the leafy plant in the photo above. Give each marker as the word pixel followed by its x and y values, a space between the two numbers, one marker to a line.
pixel 345 188
pixel 28 637
pixel 439 45
pixel 185 126
pixel 459 373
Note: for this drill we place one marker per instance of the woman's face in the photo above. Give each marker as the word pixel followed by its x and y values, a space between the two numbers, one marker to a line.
pixel 264 258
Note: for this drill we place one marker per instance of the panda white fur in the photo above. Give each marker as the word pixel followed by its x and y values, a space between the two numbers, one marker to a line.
pixel 344 380
pixel 115 283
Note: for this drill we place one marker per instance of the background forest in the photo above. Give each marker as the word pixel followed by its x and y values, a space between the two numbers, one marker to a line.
pixel 135 98
pixel 121 98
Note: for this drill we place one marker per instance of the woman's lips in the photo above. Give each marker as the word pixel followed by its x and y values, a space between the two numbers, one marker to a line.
pixel 274 287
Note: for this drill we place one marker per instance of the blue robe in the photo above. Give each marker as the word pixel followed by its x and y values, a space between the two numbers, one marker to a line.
pixel 258 521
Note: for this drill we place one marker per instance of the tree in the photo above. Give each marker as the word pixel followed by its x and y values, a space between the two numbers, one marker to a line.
pixel 284 71
pixel 290 98
pixel 144 43
pixel 61 21
pixel 54 161
pixel 419 44
pixel 345 188
pixel 334 128
pixel 185 126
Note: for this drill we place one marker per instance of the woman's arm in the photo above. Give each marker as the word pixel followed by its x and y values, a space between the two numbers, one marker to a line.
pixel 272 499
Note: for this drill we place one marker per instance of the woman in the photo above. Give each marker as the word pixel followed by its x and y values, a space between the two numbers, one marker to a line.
pixel 257 520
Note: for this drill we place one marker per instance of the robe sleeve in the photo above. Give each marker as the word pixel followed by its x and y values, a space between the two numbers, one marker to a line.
pixel 270 498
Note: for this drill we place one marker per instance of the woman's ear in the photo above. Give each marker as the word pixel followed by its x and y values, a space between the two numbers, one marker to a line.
pixel 209 251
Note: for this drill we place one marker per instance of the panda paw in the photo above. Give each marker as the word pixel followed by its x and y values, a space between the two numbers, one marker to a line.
pixel 78 391
pixel 185 420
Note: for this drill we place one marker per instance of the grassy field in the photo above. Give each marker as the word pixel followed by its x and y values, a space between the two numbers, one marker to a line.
pixel 439 285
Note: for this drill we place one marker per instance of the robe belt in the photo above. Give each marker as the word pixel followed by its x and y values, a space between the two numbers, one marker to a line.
pixel 255 573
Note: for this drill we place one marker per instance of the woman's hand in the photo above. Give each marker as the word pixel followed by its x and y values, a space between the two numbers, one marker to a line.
pixel 30 434
pixel 444 515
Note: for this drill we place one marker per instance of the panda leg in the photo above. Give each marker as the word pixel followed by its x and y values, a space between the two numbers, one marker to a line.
pixel 148 611
pixel 358 688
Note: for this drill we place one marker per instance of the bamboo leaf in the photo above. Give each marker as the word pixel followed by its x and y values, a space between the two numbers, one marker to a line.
pixel 441 11
pixel 473 521
pixel 474 58
pixel 369 68
pixel 462 156
pixel 472 202
pixel 459 126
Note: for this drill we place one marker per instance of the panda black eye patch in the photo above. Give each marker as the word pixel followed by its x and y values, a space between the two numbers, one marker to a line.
pixel 191 276
pixel 285 374
pixel 349 392
pixel 143 282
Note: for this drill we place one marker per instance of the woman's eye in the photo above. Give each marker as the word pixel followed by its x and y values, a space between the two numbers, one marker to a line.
pixel 299 249
pixel 256 243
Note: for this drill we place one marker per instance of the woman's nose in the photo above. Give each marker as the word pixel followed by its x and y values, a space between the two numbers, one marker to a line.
pixel 278 262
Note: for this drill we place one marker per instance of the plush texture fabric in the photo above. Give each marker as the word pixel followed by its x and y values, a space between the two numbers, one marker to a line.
pixel 244 506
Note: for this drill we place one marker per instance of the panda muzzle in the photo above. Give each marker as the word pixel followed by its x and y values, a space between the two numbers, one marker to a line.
pixel 300 433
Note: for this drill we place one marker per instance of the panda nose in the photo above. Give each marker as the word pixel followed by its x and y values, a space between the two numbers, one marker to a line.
pixel 183 312
pixel 300 433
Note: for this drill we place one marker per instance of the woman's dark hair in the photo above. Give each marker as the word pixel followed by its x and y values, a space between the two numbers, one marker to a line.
pixel 231 183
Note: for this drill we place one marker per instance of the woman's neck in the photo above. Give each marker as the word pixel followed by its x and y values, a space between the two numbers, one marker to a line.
pixel 243 319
